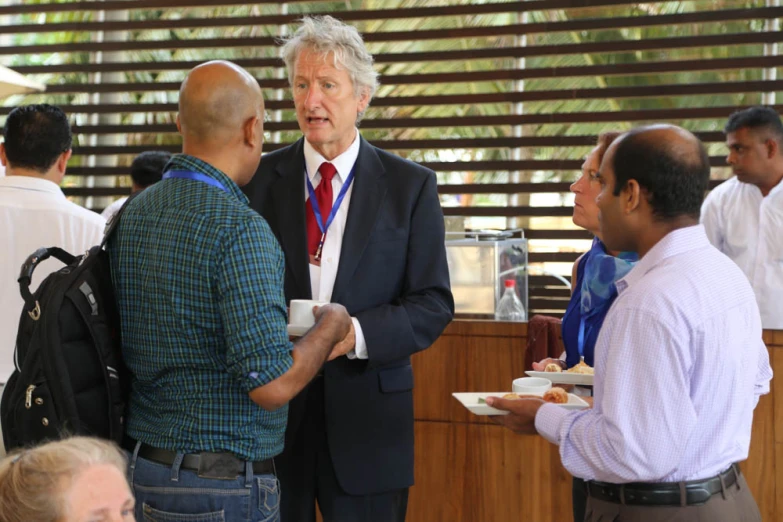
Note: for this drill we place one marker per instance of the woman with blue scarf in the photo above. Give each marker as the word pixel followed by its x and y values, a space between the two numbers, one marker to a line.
pixel 592 285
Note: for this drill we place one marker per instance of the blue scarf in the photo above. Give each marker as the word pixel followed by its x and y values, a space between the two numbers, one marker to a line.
pixel 602 271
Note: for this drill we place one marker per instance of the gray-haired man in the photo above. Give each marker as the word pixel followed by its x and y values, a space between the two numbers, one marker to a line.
pixel 363 228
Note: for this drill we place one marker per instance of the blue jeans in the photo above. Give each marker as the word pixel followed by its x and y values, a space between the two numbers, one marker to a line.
pixel 166 493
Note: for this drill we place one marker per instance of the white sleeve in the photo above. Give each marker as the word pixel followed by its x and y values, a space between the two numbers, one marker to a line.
pixel 712 220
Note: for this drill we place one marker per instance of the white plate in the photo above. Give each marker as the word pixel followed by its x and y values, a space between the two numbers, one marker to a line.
pixel 581 379
pixel 297 331
pixel 471 402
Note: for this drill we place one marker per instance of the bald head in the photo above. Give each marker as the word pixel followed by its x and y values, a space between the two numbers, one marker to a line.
pixel 216 99
pixel 670 165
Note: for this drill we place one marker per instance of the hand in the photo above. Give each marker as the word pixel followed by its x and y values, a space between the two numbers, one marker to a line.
pixel 346 345
pixel 522 418
pixel 541 366
pixel 335 316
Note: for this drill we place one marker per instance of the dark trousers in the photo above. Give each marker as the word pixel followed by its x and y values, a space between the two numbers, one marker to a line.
pixel 307 476
pixel 736 504
pixel 579 499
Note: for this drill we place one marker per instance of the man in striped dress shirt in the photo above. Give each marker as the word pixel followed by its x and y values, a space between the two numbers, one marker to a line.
pixel 680 363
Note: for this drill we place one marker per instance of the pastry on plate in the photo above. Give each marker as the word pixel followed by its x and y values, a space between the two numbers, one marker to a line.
pixel 556 396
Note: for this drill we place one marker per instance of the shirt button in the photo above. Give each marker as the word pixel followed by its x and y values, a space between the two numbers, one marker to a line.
pixel 328 259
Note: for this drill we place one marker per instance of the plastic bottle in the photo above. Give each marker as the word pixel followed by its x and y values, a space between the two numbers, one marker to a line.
pixel 509 307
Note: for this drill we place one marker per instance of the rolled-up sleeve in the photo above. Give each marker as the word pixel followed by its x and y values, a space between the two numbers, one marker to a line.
pixel 252 305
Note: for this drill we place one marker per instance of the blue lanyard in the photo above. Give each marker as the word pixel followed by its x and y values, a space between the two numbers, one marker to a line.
pixel 335 207
pixel 196 176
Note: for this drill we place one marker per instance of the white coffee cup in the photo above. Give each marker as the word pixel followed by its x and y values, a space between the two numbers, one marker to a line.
pixel 301 312
pixel 530 385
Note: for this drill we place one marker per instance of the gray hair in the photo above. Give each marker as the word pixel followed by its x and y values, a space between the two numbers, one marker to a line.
pixel 324 35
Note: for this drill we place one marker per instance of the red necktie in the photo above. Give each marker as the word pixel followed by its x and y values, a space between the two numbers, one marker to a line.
pixel 323 194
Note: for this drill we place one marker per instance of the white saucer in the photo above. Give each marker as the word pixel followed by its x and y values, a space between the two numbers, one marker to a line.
pixel 296 330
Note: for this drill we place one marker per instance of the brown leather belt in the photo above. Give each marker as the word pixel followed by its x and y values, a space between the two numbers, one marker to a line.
pixel 696 492
pixel 199 461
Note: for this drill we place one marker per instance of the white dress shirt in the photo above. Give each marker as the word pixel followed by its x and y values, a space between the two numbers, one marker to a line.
pixel 747 227
pixel 112 209
pixel 34 213
pixel 322 277
pixel 679 368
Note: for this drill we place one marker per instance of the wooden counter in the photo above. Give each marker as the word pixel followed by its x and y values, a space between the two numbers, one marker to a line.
pixel 469 469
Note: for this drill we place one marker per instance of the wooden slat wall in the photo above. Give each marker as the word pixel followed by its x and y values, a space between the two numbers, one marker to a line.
pixel 502 98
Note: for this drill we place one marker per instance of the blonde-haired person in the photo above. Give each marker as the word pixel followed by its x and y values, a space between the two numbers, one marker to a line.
pixel 79 479
pixel 592 285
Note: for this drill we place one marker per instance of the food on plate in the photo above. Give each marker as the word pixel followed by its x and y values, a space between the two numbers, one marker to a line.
pixel 556 396
pixel 552 367
pixel 581 368
pixel 513 396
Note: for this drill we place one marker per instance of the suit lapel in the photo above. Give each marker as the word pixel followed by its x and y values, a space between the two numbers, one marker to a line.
pixel 369 189
pixel 287 194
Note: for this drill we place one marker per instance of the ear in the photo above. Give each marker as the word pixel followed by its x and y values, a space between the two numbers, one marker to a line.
pixel 253 131
pixel 179 125
pixel 631 196
pixel 62 161
pixel 772 147
pixel 61 164
pixel 3 157
pixel 364 100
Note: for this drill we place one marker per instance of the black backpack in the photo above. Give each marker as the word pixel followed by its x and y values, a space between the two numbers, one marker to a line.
pixel 69 377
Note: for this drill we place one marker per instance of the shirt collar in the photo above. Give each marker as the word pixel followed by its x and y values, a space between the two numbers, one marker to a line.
pixel 777 188
pixel 187 162
pixel 674 243
pixel 343 163
pixel 32 184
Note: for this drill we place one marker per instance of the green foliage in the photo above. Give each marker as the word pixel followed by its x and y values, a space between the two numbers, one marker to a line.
pixel 576 58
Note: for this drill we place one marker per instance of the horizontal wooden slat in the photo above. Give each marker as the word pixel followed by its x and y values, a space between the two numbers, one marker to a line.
pixel 546 306
pixel 693 89
pixel 450 143
pixel 553 257
pixel 280 19
pixel 508 211
pixel 557 234
pixel 586 24
pixel 434 56
pixel 532 188
pixel 675 114
pixel 536 281
pixel 617 46
pixel 438 166
pixel 554 293
pixel 118 5
pixel 527 188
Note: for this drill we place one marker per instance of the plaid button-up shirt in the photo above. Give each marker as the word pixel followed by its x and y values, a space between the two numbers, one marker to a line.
pixel 199 281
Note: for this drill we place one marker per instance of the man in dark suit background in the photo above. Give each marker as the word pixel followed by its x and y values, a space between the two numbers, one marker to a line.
pixel 379 250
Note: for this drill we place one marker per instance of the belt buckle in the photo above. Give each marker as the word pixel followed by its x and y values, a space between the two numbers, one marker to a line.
pixel 221 466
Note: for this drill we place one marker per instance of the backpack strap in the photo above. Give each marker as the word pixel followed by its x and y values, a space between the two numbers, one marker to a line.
pixel 115 219
pixel 26 275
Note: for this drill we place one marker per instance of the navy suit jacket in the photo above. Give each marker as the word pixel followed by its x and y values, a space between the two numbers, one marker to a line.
pixel 393 277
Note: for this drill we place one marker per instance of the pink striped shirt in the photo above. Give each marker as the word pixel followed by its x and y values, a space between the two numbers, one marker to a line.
pixel 679 368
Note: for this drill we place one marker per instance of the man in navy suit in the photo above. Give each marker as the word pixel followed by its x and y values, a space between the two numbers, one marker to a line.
pixel 363 228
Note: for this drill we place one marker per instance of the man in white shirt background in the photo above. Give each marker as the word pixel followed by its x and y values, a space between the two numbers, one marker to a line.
pixel 34 212
pixel 744 215
pixel 146 170
pixel 679 363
